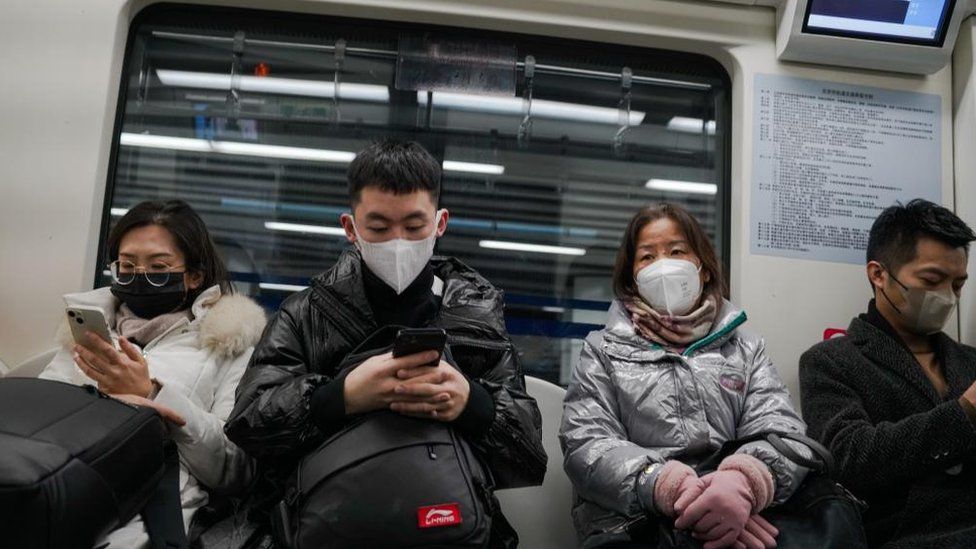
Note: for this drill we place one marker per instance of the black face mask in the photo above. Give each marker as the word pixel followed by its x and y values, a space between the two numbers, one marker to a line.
pixel 148 301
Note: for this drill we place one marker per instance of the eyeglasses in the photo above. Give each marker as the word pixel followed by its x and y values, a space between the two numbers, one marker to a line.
pixel 157 274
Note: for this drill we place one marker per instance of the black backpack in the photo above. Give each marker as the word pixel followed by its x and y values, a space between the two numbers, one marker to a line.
pixel 76 464
pixel 388 480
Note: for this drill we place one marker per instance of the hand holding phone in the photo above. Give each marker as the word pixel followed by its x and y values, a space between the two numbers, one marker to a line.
pixel 433 390
pixel 371 385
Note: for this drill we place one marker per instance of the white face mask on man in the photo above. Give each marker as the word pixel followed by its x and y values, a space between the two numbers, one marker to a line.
pixel 670 286
pixel 399 261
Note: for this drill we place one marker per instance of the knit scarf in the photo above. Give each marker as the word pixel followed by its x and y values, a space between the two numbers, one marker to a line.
pixel 673 332
pixel 143 330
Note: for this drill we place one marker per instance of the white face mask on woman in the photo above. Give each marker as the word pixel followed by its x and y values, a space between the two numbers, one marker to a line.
pixel 398 262
pixel 670 286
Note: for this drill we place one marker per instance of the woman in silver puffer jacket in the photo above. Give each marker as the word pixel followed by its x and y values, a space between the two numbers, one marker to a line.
pixel 672 377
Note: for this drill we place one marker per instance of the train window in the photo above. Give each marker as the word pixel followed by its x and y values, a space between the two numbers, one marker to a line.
pixel 548 147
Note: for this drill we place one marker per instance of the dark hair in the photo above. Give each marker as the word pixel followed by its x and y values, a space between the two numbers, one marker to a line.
pixel 893 240
pixel 396 166
pixel 624 285
pixel 190 233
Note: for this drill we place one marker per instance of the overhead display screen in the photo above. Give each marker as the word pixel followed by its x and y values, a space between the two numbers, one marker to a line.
pixel 922 22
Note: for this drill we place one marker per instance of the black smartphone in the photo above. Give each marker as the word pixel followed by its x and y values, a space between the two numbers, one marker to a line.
pixel 410 341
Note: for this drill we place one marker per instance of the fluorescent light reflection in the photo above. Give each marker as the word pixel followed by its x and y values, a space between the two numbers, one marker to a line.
pixel 473 167
pixel 688 187
pixel 534 248
pixel 298 228
pixel 541 108
pixel 234 148
pixel 281 287
pixel 119 212
pixel 274 84
pixel 685 124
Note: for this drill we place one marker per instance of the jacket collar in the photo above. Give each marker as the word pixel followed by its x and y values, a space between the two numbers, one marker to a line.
pixel 888 352
pixel 621 330
pixel 960 371
pixel 468 301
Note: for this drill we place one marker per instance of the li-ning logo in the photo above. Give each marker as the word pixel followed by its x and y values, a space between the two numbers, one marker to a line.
pixel 436 516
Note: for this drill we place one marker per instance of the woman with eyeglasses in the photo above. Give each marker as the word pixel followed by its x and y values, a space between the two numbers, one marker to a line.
pixel 671 378
pixel 180 342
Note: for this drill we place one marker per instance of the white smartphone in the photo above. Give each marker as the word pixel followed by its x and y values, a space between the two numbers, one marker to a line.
pixel 87 319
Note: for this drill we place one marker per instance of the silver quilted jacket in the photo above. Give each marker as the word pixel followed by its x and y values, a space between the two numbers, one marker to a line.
pixel 631 404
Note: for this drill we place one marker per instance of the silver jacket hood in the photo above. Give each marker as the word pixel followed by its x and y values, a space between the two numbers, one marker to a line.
pixel 631 403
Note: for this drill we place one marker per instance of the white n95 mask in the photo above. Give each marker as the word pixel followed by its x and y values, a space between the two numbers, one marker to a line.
pixel 398 262
pixel 670 286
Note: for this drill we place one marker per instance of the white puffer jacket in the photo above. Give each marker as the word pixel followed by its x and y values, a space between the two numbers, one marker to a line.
pixel 199 363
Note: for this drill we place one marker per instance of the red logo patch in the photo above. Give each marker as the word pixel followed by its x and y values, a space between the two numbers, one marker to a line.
pixel 438 516
pixel 831 333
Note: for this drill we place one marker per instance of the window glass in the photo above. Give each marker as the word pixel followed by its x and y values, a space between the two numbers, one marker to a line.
pixel 548 145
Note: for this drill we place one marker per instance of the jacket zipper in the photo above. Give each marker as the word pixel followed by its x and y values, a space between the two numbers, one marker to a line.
pixel 153 343
pixel 494 345
pixel 345 320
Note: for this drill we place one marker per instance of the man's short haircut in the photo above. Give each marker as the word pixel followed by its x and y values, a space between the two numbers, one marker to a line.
pixel 394 166
pixel 893 241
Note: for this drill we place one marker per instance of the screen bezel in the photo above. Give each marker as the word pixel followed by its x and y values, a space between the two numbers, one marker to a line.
pixel 936 42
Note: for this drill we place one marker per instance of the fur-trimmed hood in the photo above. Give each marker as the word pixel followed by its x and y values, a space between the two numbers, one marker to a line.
pixel 229 324
pixel 233 325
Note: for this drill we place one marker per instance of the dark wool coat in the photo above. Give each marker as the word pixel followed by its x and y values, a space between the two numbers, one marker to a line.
pixel 908 452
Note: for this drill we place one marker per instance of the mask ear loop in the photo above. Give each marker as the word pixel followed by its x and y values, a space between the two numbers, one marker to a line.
pixel 885 294
pixel 186 294
pixel 701 287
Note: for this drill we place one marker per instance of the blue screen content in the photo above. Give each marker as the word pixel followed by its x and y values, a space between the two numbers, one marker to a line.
pixel 914 19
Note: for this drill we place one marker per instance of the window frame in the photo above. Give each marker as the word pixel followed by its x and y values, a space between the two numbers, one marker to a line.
pixel 723 115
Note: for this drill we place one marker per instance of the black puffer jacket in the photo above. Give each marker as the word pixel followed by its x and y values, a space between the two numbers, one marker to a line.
pixel 307 339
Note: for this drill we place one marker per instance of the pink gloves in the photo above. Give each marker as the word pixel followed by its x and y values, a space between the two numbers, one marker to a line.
pixel 721 512
pixel 757 474
pixel 757 534
pixel 725 514
pixel 676 482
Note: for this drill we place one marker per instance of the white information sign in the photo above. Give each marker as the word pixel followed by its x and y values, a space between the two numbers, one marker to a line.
pixel 829 157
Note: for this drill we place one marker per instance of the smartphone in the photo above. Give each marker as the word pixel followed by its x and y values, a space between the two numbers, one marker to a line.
pixel 410 341
pixel 87 319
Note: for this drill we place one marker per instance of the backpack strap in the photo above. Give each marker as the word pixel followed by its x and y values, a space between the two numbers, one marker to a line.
pixel 163 513
pixel 823 465
pixel 823 461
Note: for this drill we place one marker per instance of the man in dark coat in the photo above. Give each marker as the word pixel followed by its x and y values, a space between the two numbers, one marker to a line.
pixel 293 396
pixel 894 398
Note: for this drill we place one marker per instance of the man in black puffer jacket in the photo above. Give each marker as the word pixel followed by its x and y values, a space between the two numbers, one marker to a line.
pixel 292 396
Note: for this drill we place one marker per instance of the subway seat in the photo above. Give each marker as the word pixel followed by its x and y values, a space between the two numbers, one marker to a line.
pixel 541 514
pixel 33 366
